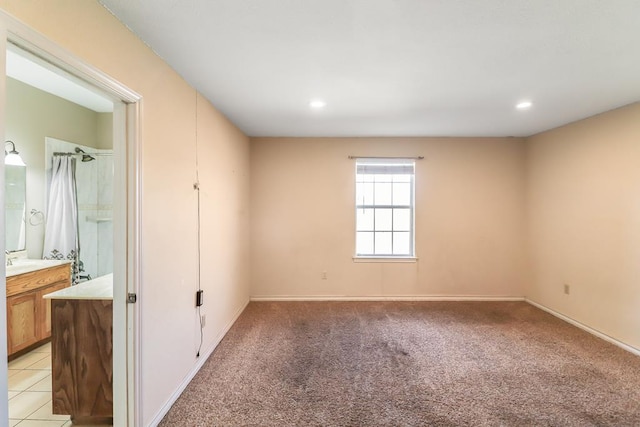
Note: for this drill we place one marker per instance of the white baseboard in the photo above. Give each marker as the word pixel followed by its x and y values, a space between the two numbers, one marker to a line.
pixel 586 328
pixel 386 298
pixel 203 358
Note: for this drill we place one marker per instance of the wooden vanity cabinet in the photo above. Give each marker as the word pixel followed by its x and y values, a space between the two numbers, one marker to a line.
pixel 28 314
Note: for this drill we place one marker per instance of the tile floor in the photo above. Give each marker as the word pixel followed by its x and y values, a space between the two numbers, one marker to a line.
pixel 30 391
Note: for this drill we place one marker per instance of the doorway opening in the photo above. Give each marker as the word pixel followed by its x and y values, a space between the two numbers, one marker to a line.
pixel 102 153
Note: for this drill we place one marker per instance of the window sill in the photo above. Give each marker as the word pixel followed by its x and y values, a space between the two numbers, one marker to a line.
pixel 384 259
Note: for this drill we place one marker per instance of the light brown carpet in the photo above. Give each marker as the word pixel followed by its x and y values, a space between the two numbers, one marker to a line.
pixel 410 364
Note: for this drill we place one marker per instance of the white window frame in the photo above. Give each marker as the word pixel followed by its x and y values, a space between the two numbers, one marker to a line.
pixel 388 163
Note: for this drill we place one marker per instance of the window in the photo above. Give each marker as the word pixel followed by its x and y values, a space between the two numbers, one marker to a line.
pixel 384 208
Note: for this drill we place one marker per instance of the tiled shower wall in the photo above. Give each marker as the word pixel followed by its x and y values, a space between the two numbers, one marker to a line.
pixel 94 181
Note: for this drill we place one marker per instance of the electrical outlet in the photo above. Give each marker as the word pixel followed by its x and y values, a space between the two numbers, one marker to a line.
pixel 203 320
pixel 323 275
pixel 567 289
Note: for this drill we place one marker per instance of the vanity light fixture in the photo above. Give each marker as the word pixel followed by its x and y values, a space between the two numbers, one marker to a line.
pixel 317 104
pixel 524 105
pixel 12 157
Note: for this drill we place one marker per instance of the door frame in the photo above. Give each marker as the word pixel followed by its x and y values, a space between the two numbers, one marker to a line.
pixel 126 209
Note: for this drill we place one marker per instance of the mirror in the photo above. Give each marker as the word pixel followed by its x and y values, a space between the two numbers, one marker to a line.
pixel 15 207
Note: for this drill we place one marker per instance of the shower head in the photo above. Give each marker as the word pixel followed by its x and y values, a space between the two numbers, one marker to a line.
pixel 85 157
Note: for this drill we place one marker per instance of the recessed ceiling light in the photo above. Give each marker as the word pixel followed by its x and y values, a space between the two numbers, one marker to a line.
pixel 524 105
pixel 317 104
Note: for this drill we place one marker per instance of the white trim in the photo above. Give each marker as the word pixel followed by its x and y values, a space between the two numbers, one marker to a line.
pixel 4 373
pixel 192 373
pixel 386 298
pixel 36 43
pixel 134 260
pixel 120 265
pixel 374 259
pixel 586 328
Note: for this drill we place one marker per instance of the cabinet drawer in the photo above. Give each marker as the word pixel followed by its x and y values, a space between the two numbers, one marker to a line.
pixel 37 279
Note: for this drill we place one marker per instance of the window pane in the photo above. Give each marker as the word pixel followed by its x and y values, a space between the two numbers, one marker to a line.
pixel 383 178
pixel 402 193
pixel 383 243
pixel 364 219
pixel 401 178
pixel 383 219
pixel 401 243
pixel 382 194
pixel 401 220
pixel 364 243
pixel 364 177
pixel 364 193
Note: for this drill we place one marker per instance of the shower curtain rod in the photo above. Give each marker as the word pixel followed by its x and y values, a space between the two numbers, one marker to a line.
pixel 60 153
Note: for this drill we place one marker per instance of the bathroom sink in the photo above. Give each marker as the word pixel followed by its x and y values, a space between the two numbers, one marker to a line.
pixel 25 265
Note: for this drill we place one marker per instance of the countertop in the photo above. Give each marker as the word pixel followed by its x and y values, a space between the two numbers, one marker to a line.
pixel 100 288
pixel 22 265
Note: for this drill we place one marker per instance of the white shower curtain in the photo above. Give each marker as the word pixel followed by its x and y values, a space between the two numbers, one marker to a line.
pixel 61 240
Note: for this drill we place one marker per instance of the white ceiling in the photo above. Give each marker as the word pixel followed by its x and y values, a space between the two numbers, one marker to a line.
pixel 34 72
pixel 398 67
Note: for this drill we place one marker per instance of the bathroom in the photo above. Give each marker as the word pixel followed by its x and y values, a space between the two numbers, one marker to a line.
pixel 43 128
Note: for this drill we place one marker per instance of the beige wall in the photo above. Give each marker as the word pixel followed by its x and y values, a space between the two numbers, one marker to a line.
pixel 469 218
pixel 32 115
pixel 584 221
pixel 223 153
pixel 104 130
pixel 169 329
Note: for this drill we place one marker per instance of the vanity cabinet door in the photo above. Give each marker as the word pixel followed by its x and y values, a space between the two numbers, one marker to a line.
pixel 22 325
pixel 28 314
pixel 45 304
